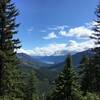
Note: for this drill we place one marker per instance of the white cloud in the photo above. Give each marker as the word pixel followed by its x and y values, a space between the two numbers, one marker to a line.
pixel 91 24
pixel 82 32
pixel 51 35
pixel 59 27
pixel 79 32
pixel 45 51
pixel 63 33
pixel 30 29
pixel 62 27
pixel 59 49
pixel 29 52
pixel 43 31
pixel 74 46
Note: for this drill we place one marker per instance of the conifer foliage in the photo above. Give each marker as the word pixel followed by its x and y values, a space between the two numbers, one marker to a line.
pixel 67 87
pixel 95 61
pixel 31 89
pixel 85 73
pixel 10 86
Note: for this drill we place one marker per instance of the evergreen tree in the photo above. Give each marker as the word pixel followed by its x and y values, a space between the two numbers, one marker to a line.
pixel 10 77
pixel 86 73
pixel 91 96
pixel 95 61
pixel 67 87
pixel 31 92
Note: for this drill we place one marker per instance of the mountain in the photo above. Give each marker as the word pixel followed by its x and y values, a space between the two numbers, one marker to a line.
pixel 43 74
pixel 50 62
pixel 76 58
pixel 29 61
pixel 50 59
pixel 46 73
pixel 61 58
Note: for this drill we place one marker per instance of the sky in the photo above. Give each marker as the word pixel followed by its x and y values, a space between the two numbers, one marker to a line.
pixel 53 27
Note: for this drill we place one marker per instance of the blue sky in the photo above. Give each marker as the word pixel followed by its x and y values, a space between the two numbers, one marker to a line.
pixel 48 22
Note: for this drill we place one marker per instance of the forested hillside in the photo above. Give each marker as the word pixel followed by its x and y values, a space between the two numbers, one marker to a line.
pixel 22 77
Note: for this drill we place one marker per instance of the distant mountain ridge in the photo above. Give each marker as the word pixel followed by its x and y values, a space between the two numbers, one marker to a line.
pixel 51 62
pixel 50 59
pixel 76 58
pixel 60 58
pixel 29 61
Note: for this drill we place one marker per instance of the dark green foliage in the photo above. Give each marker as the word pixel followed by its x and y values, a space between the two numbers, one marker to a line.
pixel 91 96
pixel 90 67
pixel 31 87
pixel 10 77
pixel 67 87
pixel 95 61
pixel 85 73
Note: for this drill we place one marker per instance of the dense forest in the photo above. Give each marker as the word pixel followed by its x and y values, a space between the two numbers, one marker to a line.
pixel 71 83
